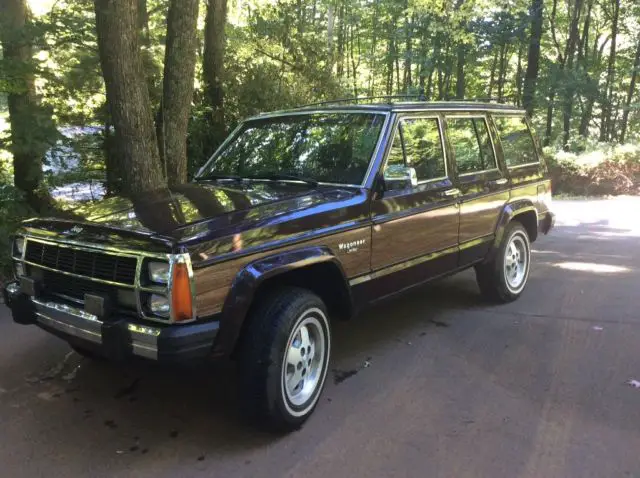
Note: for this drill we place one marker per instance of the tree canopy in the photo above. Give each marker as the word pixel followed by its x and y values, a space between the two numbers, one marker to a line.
pixel 166 80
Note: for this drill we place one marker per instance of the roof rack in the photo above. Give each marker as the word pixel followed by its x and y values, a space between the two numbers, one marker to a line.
pixel 420 97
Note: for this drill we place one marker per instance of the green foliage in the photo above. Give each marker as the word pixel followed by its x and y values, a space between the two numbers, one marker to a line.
pixel 603 170
pixel 13 209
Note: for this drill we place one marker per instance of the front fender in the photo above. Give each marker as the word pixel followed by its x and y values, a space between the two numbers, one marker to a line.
pixel 509 211
pixel 248 280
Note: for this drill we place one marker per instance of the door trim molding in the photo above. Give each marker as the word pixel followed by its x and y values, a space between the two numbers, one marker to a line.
pixel 403 265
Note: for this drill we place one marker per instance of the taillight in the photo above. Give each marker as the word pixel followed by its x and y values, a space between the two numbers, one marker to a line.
pixel 181 298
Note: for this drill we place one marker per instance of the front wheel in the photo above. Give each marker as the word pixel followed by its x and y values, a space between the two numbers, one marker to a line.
pixel 504 278
pixel 284 358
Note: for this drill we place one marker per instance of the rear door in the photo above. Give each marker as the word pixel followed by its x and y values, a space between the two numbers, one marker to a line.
pixel 415 228
pixel 484 187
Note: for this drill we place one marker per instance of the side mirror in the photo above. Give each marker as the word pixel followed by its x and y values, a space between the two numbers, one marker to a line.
pixel 398 176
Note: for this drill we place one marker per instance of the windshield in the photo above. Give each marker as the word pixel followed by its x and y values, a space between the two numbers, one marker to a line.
pixel 331 147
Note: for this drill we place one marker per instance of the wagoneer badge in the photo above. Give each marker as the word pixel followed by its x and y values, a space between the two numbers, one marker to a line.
pixel 351 246
pixel 75 230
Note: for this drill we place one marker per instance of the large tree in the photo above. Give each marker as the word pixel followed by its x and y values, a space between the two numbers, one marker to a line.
pixel 533 57
pixel 213 63
pixel 179 68
pixel 32 129
pixel 127 94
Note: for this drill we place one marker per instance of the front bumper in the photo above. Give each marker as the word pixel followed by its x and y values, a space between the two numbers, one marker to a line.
pixel 116 338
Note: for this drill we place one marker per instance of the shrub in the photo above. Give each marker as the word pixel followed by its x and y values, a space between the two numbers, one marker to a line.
pixel 606 170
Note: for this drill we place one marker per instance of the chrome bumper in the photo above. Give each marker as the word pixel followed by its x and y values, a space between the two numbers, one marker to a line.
pixel 116 337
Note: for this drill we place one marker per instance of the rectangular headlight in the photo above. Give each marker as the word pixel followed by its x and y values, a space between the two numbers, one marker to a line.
pixel 158 272
pixel 18 246
pixel 19 270
pixel 159 305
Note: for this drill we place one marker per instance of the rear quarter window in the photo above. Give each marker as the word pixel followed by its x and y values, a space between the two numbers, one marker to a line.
pixel 517 143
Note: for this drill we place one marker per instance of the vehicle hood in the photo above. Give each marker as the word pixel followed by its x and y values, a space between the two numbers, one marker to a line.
pixel 179 211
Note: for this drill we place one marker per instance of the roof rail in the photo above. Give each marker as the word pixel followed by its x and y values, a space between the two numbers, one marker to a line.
pixel 420 97
pixel 357 99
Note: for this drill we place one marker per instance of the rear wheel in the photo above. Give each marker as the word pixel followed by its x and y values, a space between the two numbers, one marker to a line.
pixel 504 278
pixel 284 358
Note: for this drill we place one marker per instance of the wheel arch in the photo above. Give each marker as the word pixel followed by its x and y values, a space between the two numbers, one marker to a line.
pixel 522 211
pixel 313 268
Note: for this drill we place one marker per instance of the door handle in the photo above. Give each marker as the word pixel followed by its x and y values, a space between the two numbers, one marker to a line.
pixel 500 182
pixel 452 192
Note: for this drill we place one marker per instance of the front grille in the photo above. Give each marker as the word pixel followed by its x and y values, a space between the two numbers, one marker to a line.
pixel 75 288
pixel 96 265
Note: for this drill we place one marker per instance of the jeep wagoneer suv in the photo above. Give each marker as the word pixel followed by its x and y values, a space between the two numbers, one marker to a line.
pixel 301 216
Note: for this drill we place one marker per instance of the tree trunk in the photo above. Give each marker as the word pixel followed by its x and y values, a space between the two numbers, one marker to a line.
pixel 630 93
pixel 572 43
pixel 342 27
pixel 32 129
pixel 502 73
pixel 127 94
pixel 549 121
pixel 213 66
pixel 330 24
pixel 492 77
pixel 460 79
pixel 605 118
pixel 179 70
pixel 408 25
pixel 519 77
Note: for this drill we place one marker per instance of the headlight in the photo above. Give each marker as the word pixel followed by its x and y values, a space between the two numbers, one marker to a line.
pixel 19 270
pixel 19 246
pixel 159 272
pixel 159 305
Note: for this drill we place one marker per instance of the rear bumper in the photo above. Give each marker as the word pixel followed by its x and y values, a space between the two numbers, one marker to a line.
pixel 546 222
pixel 116 338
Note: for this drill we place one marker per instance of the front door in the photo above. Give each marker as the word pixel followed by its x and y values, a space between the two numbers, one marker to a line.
pixel 415 227
pixel 485 189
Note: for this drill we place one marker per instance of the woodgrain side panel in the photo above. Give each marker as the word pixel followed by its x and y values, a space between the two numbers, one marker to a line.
pixel 213 283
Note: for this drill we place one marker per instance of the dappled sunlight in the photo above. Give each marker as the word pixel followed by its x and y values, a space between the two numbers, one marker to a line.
pixel 592 267
pixel 544 252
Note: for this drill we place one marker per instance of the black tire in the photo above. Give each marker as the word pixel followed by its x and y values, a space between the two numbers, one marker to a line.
pixel 264 358
pixel 492 276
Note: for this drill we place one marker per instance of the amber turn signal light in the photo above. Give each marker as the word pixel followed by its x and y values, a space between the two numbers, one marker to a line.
pixel 181 300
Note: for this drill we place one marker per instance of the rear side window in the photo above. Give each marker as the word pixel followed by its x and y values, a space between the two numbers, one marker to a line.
pixel 469 138
pixel 517 142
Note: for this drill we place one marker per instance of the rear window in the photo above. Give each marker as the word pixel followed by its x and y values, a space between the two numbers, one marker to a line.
pixel 516 139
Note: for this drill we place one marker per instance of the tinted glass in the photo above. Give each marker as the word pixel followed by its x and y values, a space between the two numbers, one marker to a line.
pixel 396 156
pixel 333 147
pixel 423 148
pixel 471 145
pixel 516 139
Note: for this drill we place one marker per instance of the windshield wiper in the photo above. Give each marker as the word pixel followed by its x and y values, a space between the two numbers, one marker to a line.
pixel 284 177
pixel 215 177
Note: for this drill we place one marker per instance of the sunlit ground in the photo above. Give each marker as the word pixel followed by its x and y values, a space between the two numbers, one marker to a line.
pixel 606 220
pixel 617 217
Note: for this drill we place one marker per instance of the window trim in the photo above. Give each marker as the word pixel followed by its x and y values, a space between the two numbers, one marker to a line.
pixel 397 127
pixel 493 146
pixel 533 140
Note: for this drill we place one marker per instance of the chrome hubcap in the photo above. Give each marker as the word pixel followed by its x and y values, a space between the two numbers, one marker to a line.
pixel 516 262
pixel 304 361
